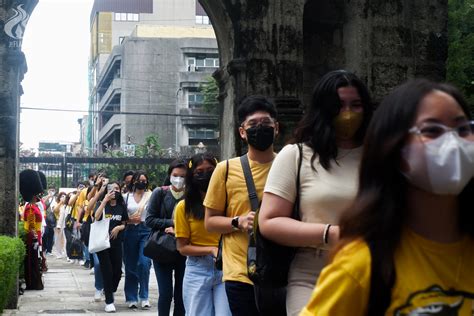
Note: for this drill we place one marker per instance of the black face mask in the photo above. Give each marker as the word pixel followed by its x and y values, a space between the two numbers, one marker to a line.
pixel 201 180
pixel 260 137
pixel 140 185
pixel 117 195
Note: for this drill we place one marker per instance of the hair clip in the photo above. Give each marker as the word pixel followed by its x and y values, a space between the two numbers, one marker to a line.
pixel 190 164
pixel 217 161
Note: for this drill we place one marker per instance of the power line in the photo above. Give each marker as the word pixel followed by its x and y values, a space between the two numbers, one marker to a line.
pixel 122 112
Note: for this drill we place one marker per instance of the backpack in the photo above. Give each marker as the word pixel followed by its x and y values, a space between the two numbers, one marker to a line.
pixel 270 264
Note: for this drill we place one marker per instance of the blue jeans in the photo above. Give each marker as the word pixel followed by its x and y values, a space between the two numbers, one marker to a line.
pixel 164 277
pixel 98 280
pixel 85 252
pixel 203 290
pixel 137 266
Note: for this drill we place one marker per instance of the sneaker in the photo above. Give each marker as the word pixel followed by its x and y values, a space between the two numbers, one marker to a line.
pixel 98 295
pixel 92 272
pixel 146 304
pixel 81 262
pixel 132 305
pixel 110 308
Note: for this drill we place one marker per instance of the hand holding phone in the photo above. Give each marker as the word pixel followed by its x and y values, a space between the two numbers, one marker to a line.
pixel 110 187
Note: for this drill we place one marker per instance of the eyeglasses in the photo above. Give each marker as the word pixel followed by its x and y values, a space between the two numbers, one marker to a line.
pixel 430 131
pixel 264 121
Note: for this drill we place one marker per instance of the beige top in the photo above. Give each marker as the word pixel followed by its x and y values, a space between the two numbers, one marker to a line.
pixel 324 195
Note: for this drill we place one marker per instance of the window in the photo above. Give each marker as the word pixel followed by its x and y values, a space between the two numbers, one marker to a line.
pixel 121 38
pixel 126 17
pixel 195 100
pixel 202 19
pixel 194 63
pixel 201 133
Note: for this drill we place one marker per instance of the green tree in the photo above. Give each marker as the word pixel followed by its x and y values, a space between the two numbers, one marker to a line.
pixel 210 91
pixel 460 63
pixel 150 148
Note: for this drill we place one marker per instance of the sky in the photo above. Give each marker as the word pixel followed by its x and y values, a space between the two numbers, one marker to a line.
pixel 56 46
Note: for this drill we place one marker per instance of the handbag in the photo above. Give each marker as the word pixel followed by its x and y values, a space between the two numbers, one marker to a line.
pixel 99 235
pixel 161 247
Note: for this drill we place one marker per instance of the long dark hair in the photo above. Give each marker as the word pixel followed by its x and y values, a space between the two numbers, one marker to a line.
pixel 378 212
pixel 192 194
pixel 316 128
pixel 136 177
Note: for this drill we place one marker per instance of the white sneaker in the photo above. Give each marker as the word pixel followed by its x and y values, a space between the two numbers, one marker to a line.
pixel 146 304
pixel 132 305
pixel 110 308
pixel 98 295
pixel 81 262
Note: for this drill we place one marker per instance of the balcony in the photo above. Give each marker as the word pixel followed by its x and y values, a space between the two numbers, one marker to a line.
pixel 206 118
pixel 113 90
pixel 192 79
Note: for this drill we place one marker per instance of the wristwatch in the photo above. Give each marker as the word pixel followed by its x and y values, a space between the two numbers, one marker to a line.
pixel 235 223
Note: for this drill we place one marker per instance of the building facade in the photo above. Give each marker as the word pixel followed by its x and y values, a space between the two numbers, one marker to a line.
pixel 148 61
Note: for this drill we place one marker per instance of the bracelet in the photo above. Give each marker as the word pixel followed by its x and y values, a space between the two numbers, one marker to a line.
pixel 326 234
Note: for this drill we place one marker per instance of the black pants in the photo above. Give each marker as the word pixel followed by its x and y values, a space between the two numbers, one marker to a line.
pixel 271 301
pixel 48 238
pixel 241 298
pixel 111 267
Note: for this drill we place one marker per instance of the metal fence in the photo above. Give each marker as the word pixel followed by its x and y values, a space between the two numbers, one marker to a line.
pixel 68 171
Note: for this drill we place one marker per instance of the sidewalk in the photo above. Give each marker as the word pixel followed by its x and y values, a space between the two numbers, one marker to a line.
pixel 69 289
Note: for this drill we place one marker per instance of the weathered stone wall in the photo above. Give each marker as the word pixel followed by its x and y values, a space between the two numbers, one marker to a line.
pixel 281 48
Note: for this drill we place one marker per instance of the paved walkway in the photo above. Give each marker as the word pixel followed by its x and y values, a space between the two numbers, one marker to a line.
pixel 69 289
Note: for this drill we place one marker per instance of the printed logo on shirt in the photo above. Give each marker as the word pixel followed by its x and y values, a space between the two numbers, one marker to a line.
pixel 436 301
pixel 114 217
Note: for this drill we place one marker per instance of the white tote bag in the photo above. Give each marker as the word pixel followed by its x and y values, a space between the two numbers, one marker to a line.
pixel 99 235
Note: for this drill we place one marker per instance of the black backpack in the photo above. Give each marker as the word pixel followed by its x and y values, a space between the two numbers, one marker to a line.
pixel 271 260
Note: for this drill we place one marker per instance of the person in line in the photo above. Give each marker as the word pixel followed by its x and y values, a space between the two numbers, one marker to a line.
pixel 31 189
pixel 137 266
pixel 228 209
pixel 203 289
pixel 127 181
pixel 59 247
pixel 113 207
pixel 100 184
pixel 160 217
pixel 331 133
pixel 407 243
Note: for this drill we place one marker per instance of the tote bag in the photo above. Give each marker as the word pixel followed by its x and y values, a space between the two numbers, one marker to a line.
pixel 99 236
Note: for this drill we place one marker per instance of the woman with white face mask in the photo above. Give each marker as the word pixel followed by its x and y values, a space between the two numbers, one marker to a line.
pixel 407 242
pixel 160 217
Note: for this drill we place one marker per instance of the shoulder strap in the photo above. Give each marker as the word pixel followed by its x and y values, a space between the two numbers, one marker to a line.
pixel 225 184
pixel 253 197
pixel 380 287
pixel 296 207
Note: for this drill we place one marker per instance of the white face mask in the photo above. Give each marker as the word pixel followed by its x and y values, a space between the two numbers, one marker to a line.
pixel 444 165
pixel 177 182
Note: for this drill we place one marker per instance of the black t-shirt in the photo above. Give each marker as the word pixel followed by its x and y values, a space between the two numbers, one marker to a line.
pixel 117 214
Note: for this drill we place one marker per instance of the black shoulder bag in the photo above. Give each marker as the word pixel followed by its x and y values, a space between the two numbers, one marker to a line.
pixel 273 260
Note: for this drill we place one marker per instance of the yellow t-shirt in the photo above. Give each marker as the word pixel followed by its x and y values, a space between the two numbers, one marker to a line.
pixel 431 278
pixel 234 251
pixel 79 203
pixel 188 227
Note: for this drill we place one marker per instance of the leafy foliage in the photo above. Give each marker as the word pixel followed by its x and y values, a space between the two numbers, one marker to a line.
pixel 151 148
pixel 12 252
pixel 460 64
pixel 210 91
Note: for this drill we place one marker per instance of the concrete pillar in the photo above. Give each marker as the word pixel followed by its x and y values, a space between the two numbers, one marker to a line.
pixel 15 15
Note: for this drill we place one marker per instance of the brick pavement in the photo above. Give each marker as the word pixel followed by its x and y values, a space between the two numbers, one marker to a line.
pixel 69 290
